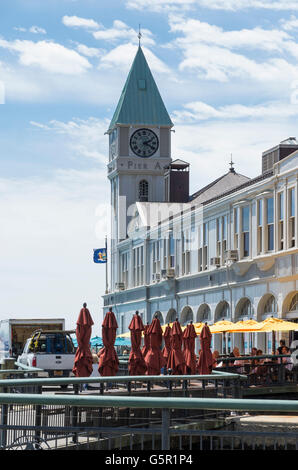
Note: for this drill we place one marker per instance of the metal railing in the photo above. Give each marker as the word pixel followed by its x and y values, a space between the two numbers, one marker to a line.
pixel 218 384
pixel 136 423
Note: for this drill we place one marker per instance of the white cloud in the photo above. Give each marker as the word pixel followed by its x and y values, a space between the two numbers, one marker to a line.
pixel 160 5
pixel 36 85
pixel 89 51
pixel 208 146
pixel 228 5
pixel 20 29
pixel 37 30
pixel 221 55
pixel 49 56
pixel 122 56
pixel 196 32
pixel 199 111
pixel 121 31
pixel 33 29
pixel 290 24
pixel 234 5
pixel 84 137
pixel 77 22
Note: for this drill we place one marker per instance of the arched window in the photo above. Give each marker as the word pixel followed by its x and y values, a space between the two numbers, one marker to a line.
pixel 186 316
pixel 204 313
pixel 270 305
pixel 244 308
pixel 158 314
pixel 294 303
pixel 143 190
pixel 171 315
pixel 222 310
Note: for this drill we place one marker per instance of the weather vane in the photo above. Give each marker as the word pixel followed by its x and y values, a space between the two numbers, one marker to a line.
pixel 139 35
pixel 232 169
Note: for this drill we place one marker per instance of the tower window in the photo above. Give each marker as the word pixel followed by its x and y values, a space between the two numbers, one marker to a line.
pixel 143 191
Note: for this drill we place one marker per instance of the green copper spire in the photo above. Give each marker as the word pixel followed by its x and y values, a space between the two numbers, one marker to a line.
pixel 140 102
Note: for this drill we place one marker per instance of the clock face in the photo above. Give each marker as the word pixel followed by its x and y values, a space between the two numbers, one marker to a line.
pixel 144 143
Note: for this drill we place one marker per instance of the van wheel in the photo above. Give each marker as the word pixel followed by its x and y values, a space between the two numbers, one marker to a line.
pixel 64 387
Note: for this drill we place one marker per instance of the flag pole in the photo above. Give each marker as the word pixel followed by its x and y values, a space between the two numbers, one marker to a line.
pixel 106 246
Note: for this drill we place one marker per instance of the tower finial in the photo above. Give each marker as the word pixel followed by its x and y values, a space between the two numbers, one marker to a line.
pixel 139 35
pixel 232 169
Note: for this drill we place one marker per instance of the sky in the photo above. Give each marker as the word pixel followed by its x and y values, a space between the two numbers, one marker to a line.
pixel 227 71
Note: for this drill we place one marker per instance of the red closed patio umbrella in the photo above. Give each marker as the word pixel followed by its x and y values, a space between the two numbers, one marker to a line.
pixel 176 360
pixel 146 346
pixel 136 362
pixel 167 339
pixel 189 337
pixel 204 365
pixel 154 359
pixel 108 363
pixel 83 358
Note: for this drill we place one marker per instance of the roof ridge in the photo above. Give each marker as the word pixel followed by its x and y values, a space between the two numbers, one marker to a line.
pixel 208 186
pixel 240 186
pixel 200 191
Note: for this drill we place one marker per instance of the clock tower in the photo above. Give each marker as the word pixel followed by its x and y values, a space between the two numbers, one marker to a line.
pixel 139 150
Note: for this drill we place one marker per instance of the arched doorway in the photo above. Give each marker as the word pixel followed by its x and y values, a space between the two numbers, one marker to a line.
pixel 204 313
pixel 290 306
pixel 159 315
pixel 171 315
pixel 243 309
pixel 267 307
pixel 186 316
pixel 290 313
pixel 222 342
pixel 244 341
pixel 222 311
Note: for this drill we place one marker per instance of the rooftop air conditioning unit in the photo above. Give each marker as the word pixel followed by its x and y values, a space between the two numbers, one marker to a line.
pixel 170 272
pixel 231 255
pixel 156 277
pixel 215 262
pixel 120 285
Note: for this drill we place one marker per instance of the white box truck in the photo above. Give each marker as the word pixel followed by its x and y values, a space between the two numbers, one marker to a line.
pixel 15 332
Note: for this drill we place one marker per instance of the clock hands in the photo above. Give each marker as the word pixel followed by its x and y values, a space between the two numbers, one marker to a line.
pixel 148 141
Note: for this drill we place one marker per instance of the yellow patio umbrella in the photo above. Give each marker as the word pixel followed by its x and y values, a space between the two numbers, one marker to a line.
pixel 272 325
pixel 165 326
pixel 277 324
pixel 221 326
pixel 245 326
pixel 171 324
pixel 198 327
pixel 124 335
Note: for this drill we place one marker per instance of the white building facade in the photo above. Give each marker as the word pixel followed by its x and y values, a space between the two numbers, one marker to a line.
pixel 229 251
